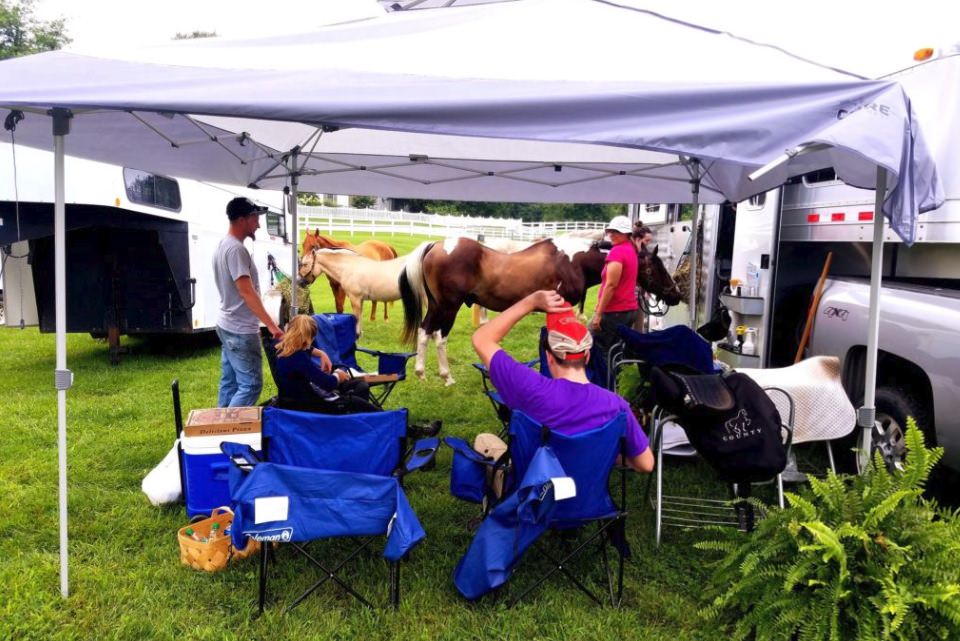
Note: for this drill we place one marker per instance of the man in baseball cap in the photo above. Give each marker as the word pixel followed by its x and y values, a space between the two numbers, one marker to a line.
pixel 242 207
pixel 568 340
pixel 241 310
pixel 567 402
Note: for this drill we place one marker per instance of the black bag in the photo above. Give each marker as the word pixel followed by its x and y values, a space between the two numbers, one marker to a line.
pixel 717 328
pixel 742 442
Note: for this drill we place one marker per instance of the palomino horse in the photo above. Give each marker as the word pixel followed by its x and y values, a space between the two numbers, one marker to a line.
pixel 462 271
pixel 374 249
pixel 359 277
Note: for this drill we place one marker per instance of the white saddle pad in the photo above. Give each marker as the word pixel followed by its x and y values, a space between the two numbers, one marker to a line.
pixel 823 411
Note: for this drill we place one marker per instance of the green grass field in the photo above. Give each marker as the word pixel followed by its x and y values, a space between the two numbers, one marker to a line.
pixel 126 578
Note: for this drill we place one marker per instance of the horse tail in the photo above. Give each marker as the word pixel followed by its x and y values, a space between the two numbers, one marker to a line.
pixel 413 291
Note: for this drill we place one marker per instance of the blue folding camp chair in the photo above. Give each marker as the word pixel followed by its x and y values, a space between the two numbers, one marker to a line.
pixel 528 508
pixel 324 477
pixel 677 345
pixel 337 336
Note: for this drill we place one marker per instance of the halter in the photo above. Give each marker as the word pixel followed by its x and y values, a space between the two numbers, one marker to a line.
pixel 657 307
pixel 313 265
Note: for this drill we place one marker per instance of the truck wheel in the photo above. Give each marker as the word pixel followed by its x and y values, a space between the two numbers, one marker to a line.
pixel 894 405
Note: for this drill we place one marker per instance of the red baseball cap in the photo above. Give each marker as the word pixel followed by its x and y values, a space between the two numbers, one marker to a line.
pixel 568 338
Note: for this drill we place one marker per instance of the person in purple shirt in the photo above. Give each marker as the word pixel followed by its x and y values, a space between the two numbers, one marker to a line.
pixel 567 403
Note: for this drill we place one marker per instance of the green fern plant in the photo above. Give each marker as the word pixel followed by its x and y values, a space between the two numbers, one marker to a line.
pixel 857 558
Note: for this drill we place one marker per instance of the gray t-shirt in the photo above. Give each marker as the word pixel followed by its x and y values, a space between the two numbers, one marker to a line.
pixel 230 262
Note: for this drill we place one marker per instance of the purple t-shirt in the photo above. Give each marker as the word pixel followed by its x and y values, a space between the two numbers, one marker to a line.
pixel 562 405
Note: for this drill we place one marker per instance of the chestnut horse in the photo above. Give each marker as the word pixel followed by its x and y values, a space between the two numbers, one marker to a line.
pixel 374 249
pixel 462 271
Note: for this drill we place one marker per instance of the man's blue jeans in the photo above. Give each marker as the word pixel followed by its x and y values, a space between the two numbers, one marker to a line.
pixel 241 369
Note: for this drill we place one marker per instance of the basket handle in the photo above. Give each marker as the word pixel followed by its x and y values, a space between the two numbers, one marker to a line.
pixel 223 509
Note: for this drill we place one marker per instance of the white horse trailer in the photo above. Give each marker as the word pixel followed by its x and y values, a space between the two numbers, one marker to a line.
pixel 139 246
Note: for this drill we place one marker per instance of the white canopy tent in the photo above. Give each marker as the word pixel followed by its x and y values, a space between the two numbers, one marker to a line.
pixel 420 104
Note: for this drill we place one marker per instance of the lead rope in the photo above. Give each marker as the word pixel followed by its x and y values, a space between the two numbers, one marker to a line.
pixel 10 124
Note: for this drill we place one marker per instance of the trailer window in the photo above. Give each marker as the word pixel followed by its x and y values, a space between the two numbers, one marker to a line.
pixel 149 189
pixel 827 175
pixel 276 225
pixel 652 208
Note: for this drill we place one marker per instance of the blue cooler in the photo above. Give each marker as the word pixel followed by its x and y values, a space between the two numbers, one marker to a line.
pixel 203 467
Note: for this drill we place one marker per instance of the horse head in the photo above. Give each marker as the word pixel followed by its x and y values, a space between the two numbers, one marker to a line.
pixel 654 278
pixel 309 267
pixel 316 240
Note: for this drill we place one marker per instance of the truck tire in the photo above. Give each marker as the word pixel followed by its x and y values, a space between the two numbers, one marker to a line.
pixel 894 405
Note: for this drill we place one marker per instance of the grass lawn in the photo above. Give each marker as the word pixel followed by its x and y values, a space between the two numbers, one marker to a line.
pixel 126 578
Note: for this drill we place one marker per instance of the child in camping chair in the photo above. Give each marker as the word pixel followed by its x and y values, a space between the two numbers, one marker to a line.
pixel 567 403
pixel 306 378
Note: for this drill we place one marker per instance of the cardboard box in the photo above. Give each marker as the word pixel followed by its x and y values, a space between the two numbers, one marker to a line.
pixel 223 421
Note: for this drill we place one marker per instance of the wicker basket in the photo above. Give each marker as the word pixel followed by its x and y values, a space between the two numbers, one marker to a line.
pixel 211 556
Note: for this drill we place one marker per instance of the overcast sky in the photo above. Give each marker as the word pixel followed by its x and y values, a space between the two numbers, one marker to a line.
pixel 864 36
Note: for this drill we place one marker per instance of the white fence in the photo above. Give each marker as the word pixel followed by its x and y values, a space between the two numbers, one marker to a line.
pixel 340 220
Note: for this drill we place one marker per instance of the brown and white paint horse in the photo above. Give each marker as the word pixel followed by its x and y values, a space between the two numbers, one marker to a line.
pixel 462 271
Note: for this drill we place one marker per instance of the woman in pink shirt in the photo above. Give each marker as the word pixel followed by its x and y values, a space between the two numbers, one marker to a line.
pixel 617 299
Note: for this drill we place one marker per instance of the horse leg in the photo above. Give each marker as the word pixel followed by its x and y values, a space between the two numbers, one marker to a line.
pixel 442 361
pixel 419 364
pixel 445 324
pixel 338 294
pixel 356 304
pixel 373 310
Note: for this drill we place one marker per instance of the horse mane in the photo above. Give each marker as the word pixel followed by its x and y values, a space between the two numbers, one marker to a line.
pixel 338 250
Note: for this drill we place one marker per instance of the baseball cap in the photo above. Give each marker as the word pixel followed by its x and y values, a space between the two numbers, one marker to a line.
pixel 567 337
pixel 620 224
pixel 240 207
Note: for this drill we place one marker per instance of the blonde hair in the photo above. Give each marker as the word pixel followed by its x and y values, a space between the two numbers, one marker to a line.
pixel 298 336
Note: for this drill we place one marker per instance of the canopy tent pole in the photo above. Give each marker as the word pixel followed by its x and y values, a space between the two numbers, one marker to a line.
pixel 867 413
pixel 694 263
pixel 295 237
pixel 63 378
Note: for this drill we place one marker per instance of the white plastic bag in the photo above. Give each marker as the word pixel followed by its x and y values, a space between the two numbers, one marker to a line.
pixel 162 484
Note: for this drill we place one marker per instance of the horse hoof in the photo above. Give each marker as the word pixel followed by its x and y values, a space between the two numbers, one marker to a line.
pixel 420 375
pixel 449 381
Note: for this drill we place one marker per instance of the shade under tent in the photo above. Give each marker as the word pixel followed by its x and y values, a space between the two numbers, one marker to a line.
pixel 415 104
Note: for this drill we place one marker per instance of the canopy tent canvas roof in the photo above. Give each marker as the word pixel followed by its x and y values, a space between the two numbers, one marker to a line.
pixel 418 104
pixel 482 73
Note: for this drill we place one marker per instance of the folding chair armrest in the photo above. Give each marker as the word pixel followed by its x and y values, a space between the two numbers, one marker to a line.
pixel 377 352
pixel 241 455
pixel 389 362
pixel 422 452
pixel 457 444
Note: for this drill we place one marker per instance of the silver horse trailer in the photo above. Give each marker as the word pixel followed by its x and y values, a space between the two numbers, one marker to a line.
pixel 778 242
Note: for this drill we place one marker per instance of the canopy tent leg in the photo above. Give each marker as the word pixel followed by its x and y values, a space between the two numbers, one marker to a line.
pixel 63 378
pixel 295 236
pixel 867 414
pixel 694 257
